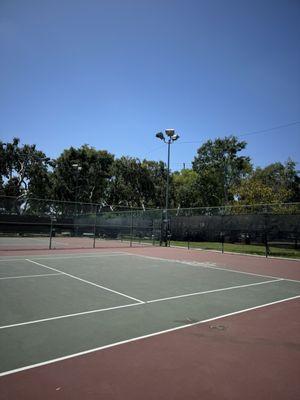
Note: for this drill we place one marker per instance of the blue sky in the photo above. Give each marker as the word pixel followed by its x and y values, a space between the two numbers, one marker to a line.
pixel 111 73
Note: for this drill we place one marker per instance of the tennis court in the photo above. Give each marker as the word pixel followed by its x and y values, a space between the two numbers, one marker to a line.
pixel 150 323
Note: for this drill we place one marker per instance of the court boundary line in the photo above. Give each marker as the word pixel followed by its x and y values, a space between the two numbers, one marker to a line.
pixel 29 276
pixel 85 281
pixel 205 265
pixel 68 256
pixel 51 361
pixel 136 304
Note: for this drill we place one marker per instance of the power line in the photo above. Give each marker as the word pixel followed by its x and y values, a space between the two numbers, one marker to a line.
pixel 270 129
pixel 255 132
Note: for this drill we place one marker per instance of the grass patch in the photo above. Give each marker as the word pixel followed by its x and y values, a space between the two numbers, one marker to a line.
pixel 228 247
pixel 242 248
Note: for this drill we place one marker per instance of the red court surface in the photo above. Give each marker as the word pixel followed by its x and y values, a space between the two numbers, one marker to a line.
pixel 282 268
pixel 236 357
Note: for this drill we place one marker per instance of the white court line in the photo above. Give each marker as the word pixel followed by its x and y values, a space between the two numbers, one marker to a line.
pixel 205 265
pixel 143 337
pixel 136 304
pixel 85 281
pixel 29 276
pixel 213 291
pixel 68 315
pixel 93 255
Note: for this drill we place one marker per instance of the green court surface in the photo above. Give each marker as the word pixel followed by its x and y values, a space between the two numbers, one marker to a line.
pixel 53 307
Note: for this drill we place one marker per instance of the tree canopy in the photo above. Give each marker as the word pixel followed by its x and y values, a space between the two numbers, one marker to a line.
pixel 220 167
pixel 221 174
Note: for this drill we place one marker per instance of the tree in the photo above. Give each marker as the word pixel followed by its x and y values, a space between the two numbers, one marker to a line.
pixel 24 170
pixel 252 191
pixel 89 182
pixel 137 183
pixel 157 171
pixel 219 169
pixel 130 185
pixel 276 182
pixel 185 189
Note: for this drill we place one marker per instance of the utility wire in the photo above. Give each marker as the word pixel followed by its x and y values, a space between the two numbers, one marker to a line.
pixel 256 132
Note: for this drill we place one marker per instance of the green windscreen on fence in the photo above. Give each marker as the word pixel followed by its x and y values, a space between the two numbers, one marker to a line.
pixel 271 229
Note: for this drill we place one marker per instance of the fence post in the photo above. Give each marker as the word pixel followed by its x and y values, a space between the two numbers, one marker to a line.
pixel 161 228
pixel 95 224
pixel 267 250
pixel 266 245
pixel 131 227
pixel 153 230
pixel 50 238
pixel 188 232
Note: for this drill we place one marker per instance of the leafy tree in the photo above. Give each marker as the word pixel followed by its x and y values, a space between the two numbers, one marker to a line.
pixel 24 170
pixel 219 168
pixel 130 183
pixel 279 177
pixel 276 182
pixel 86 183
pixel 138 183
pixel 253 191
pixel 157 171
pixel 185 189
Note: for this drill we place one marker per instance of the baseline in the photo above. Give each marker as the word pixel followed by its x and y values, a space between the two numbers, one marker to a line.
pixel 68 256
pixel 144 337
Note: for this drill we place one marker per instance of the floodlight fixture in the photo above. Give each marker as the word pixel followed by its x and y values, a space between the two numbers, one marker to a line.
pixel 170 132
pixel 175 137
pixel 160 136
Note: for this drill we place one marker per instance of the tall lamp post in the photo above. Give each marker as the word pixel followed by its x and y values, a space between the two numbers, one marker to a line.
pixel 169 137
pixel 78 169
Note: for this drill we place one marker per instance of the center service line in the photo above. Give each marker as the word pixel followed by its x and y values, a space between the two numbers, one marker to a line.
pixel 85 281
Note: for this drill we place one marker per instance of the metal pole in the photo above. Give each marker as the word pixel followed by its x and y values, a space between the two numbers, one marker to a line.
pixel 94 243
pixel 161 228
pixel 167 195
pixel 131 228
pixel 50 239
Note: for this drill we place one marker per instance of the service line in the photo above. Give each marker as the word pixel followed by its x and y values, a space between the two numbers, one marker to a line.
pixel 135 304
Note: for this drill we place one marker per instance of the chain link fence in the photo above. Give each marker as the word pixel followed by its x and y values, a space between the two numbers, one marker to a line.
pixel 269 229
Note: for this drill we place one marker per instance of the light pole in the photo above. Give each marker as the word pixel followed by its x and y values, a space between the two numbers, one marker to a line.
pixel 169 137
pixel 78 169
